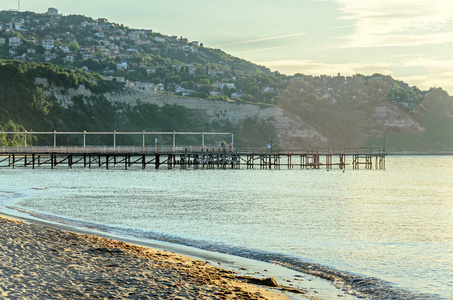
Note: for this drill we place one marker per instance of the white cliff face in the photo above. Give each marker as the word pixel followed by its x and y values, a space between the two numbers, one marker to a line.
pixel 290 129
pixel 62 95
pixel 391 116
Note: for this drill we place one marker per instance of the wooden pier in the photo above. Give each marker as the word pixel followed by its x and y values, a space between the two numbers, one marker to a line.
pixel 184 157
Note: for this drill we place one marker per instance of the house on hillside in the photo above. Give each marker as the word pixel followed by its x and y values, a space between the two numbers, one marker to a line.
pixel 52 11
pixel 69 58
pixel 192 69
pixel 150 69
pixel 221 85
pixel 215 93
pixel 100 34
pixel 65 49
pixel 121 65
pixel 14 42
pixel 214 72
pixel 159 39
pixel 235 96
pixel 114 49
pixel 17 24
pixel 134 36
pixel 87 55
pixel 48 43
pixel 143 86
pixel 48 56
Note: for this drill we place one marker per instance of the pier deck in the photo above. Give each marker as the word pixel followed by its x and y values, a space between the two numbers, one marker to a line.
pixel 188 158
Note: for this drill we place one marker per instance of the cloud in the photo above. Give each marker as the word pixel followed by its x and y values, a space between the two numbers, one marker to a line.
pixel 396 40
pixel 262 39
pixel 439 72
pixel 258 50
pixel 397 23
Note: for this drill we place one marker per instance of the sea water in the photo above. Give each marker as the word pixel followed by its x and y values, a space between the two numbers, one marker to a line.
pixel 376 233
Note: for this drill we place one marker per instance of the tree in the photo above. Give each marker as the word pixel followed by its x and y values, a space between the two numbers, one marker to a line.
pixel 12 139
pixel 74 47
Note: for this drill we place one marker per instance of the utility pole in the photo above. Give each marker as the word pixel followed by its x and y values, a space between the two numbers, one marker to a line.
pixel 18 5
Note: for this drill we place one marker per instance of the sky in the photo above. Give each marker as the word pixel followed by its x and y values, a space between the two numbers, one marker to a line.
pixel 411 40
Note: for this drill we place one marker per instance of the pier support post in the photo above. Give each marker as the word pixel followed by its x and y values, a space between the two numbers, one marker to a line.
pixel 157 163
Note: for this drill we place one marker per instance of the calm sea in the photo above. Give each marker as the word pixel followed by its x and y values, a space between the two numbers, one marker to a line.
pixel 382 234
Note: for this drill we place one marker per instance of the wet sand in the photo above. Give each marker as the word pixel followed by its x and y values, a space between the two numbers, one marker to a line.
pixel 41 262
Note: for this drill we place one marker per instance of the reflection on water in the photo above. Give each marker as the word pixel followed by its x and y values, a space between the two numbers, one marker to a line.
pixel 395 225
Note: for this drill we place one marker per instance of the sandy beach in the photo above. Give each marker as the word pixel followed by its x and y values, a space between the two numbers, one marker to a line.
pixel 41 262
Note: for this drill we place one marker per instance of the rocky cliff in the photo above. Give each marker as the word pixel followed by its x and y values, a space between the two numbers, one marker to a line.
pixel 290 129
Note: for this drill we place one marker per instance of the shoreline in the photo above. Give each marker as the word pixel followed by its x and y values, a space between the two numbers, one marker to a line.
pixel 34 247
pixel 41 262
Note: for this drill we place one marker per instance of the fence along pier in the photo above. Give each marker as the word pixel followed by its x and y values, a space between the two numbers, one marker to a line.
pixel 156 156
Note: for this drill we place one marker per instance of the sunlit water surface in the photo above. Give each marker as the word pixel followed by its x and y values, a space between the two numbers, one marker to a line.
pixel 395 225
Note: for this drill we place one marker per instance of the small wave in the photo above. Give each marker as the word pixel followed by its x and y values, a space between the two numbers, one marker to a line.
pixel 7 195
pixel 360 286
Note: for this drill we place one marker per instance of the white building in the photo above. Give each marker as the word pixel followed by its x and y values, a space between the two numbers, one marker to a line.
pixel 52 11
pixel 235 96
pixel 221 85
pixel 69 57
pixel 48 56
pixel 100 34
pixel 65 49
pixel 150 70
pixel 48 43
pixel 86 56
pixel 144 86
pixel 14 42
pixel 122 65
pixel 159 39
pixel 214 72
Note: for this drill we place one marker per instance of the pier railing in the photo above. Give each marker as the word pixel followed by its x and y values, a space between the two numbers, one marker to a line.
pixel 26 135
pixel 163 149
